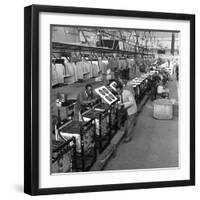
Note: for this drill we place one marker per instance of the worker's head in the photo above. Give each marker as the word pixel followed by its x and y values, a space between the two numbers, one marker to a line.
pixel 119 88
pixel 89 89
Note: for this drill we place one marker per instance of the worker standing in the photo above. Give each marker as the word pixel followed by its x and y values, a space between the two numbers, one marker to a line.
pixel 127 101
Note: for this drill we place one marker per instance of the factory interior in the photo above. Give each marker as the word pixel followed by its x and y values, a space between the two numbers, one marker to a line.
pixel 114 99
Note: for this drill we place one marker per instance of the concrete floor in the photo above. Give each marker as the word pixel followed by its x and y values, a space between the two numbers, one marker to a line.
pixel 154 143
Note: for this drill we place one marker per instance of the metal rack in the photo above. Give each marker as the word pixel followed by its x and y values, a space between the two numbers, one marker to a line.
pixel 114 114
pixel 63 153
pixel 84 134
pixel 101 116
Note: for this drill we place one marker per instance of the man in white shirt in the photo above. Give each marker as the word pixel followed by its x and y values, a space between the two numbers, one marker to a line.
pixel 128 102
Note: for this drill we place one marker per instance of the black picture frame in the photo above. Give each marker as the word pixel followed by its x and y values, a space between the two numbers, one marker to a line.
pixel 31 98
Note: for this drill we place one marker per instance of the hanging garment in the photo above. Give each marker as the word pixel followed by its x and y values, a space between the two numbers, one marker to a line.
pixel 85 67
pixel 70 77
pixel 95 68
pixel 103 67
pixel 60 69
pixel 80 70
pixel 65 65
pixel 54 78
pixel 97 64
pixel 68 69
pixel 98 68
pixel 90 69
pixel 100 65
pixel 75 72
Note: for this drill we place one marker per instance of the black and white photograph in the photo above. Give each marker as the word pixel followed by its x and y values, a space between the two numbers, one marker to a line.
pixel 109 100
pixel 100 98
pixel 114 98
